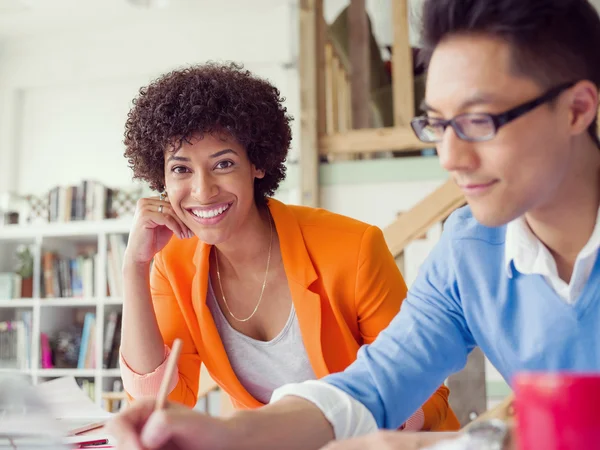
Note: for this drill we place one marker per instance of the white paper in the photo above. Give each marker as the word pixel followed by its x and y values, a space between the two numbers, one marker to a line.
pixel 68 402
pixel 46 412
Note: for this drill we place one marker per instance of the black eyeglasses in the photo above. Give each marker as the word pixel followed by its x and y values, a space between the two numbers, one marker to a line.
pixel 478 127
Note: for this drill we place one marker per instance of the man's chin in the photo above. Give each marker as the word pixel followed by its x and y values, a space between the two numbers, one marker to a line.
pixel 490 216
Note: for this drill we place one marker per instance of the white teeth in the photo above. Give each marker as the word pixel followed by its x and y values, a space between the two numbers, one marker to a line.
pixel 208 214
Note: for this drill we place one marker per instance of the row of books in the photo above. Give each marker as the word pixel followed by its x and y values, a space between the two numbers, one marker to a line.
pixel 74 277
pixel 63 348
pixel 68 277
pixel 90 200
pixel 74 347
pixel 15 339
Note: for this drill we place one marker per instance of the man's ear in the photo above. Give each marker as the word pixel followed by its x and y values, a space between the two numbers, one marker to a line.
pixel 583 106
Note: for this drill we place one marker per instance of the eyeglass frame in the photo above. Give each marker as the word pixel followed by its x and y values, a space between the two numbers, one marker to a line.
pixel 498 120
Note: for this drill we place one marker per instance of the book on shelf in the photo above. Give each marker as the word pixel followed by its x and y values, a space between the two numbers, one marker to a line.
pixel 87 358
pixel 15 342
pixel 114 262
pixel 45 352
pixel 10 285
pixel 112 341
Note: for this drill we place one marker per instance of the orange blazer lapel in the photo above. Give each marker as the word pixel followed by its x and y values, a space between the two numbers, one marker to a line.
pixel 301 274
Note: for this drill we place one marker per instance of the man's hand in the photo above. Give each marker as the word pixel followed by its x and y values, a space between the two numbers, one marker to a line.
pixel 175 427
pixel 291 423
pixel 391 440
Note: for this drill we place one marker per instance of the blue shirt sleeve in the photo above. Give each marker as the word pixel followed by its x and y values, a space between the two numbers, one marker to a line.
pixel 426 342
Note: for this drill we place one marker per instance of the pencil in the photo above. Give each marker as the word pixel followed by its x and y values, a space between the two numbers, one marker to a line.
pixel 163 392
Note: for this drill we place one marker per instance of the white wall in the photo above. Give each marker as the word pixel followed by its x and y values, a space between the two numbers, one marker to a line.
pixel 379 204
pixel 66 85
pixel 64 95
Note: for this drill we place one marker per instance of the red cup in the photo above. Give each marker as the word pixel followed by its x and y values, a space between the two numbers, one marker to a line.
pixel 557 411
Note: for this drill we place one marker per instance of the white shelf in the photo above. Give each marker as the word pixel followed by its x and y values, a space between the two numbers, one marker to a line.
pixel 17 303
pixel 15 371
pixel 69 372
pixel 113 301
pixel 65 229
pixel 68 301
pixel 50 315
pixel 66 372
pixel 65 302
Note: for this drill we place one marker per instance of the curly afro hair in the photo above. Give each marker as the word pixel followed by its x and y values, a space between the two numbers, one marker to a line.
pixel 204 99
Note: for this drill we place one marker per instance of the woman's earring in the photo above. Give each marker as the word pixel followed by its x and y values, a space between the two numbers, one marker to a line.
pixel 163 196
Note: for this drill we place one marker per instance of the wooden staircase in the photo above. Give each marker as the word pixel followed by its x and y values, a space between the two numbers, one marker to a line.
pixel 413 224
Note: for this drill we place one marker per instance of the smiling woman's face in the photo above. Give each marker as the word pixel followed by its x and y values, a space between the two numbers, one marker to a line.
pixel 210 185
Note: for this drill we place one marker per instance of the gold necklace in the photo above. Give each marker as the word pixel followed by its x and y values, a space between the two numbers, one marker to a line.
pixel 264 282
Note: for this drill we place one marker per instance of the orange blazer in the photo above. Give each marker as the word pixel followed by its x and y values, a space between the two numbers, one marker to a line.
pixel 345 286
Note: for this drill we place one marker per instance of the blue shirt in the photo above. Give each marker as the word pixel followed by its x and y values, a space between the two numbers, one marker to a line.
pixel 462 298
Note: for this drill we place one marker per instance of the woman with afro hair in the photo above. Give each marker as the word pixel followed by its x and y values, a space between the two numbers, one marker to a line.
pixel 263 293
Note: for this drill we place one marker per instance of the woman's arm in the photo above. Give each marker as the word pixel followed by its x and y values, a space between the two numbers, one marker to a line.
pixel 380 291
pixel 166 321
pixel 142 345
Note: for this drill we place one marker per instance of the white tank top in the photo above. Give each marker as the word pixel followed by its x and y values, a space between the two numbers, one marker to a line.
pixel 262 366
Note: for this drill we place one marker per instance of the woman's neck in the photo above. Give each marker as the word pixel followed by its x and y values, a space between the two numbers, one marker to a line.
pixel 248 249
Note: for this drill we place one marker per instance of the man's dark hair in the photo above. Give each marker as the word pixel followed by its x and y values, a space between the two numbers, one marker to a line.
pixel 209 98
pixel 552 41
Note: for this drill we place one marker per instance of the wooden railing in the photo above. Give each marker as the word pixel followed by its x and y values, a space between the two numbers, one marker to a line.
pixel 338 117
pixel 335 92
pixel 414 223
pixel 341 95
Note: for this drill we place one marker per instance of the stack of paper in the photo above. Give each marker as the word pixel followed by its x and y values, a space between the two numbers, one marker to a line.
pixel 34 412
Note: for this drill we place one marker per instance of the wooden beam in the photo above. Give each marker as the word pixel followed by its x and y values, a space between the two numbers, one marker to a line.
pixel 330 82
pixel 503 411
pixel 360 74
pixel 343 97
pixel 431 210
pixel 312 98
pixel 336 88
pixel 347 101
pixel 319 56
pixel 402 65
pixel 401 263
pixel 417 238
pixel 468 396
pixel 370 140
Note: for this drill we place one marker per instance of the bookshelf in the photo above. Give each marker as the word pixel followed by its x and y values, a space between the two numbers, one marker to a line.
pixel 53 309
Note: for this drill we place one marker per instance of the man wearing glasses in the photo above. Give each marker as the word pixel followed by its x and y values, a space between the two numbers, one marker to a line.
pixel 511 105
